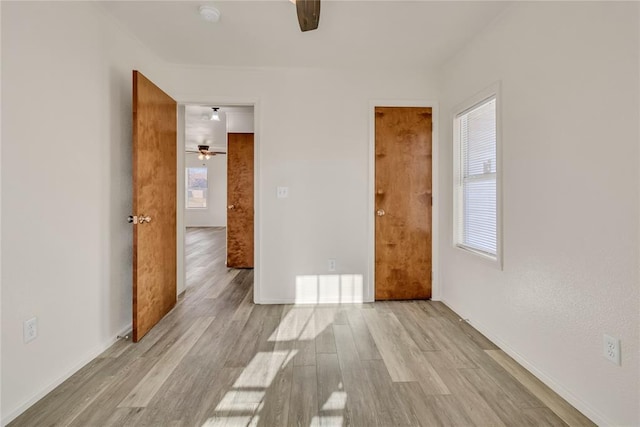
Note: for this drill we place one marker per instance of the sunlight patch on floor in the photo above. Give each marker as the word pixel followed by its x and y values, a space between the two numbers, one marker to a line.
pixel 243 404
pixel 329 288
pixel 263 368
pixel 327 420
pixel 240 401
pixel 336 401
pixel 296 325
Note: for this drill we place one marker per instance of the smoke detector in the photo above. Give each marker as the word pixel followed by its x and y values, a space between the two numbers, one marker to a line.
pixel 209 13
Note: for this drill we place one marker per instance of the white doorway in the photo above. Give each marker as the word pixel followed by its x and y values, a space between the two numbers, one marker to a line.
pixel 202 200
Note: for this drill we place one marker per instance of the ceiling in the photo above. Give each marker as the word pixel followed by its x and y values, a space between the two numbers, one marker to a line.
pixel 354 34
pixel 199 130
pixel 417 34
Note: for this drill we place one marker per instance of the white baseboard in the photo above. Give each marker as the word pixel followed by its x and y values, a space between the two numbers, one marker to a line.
pixel 269 301
pixel 322 301
pixel 293 301
pixel 95 352
pixel 548 380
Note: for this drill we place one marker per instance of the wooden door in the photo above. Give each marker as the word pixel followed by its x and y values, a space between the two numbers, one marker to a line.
pixel 240 200
pixel 403 203
pixel 154 204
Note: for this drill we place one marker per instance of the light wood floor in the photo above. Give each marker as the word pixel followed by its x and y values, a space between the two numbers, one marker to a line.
pixel 219 360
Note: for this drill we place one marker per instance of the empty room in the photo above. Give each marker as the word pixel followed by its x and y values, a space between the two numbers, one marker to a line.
pixel 320 213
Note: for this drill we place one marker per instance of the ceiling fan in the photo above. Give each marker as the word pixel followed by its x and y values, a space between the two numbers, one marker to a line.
pixel 308 14
pixel 205 153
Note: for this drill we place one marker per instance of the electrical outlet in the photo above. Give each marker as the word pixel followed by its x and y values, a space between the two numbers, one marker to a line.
pixel 282 192
pixel 612 349
pixel 332 264
pixel 30 329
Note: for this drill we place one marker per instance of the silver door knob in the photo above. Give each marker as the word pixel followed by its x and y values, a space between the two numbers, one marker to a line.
pixel 380 212
pixel 230 207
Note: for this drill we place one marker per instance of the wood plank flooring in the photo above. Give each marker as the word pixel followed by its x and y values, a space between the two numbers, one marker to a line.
pixel 219 360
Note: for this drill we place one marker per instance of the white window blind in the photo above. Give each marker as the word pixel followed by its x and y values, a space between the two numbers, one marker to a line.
pixel 477 196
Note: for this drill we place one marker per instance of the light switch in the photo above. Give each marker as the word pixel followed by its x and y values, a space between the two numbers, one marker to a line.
pixel 282 192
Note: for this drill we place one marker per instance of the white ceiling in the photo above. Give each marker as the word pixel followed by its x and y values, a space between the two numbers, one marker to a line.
pixel 417 34
pixel 199 130
pixel 360 34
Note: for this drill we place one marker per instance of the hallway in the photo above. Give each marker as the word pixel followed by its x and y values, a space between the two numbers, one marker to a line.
pixel 217 359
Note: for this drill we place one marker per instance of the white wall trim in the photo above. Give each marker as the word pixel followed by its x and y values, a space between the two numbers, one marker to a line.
pixel 369 295
pixel 0 227
pixel 268 301
pixel 547 379
pixel 320 303
pixel 181 279
pixel 88 357
pixel 257 200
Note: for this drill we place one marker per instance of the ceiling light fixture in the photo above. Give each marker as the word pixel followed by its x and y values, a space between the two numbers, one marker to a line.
pixel 209 13
pixel 214 114
pixel 204 153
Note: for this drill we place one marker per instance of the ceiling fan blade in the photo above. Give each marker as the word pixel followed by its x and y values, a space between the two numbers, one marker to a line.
pixel 308 14
pixel 205 152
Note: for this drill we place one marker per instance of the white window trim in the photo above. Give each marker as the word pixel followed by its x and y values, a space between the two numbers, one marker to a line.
pixel 493 91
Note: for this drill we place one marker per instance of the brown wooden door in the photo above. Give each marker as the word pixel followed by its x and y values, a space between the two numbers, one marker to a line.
pixel 403 203
pixel 154 196
pixel 240 200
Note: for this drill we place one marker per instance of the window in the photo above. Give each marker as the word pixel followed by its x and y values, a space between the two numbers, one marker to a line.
pixel 196 187
pixel 476 210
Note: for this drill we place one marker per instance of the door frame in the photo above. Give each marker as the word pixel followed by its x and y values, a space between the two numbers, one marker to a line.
pixel 257 223
pixel 435 217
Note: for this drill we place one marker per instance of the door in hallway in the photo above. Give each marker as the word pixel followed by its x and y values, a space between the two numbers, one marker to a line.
pixel 402 203
pixel 154 204
pixel 240 200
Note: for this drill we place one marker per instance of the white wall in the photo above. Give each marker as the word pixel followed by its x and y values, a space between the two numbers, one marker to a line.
pixel 570 109
pixel 180 202
pixel 66 179
pixel 240 122
pixel 312 136
pixel 68 215
pixel 215 214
